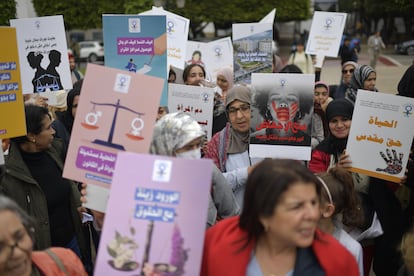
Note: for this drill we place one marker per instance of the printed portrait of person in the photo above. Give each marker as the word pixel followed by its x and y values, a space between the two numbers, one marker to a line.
pixel 196 58
pixel 285 115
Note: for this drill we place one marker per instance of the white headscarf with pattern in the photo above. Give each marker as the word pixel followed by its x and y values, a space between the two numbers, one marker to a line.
pixel 172 132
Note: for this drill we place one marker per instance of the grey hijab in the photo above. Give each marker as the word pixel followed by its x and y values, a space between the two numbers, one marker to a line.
pixel 238 142
pixel 360 75
pixel 173 131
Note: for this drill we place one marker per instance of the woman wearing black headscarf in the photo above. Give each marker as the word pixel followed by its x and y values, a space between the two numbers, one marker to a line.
pixel 63 128
pixel 406 84
pixel 376 194
pixel 406 89
pixel 64 119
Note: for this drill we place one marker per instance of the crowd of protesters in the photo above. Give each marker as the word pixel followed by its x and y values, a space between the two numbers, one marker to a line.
pixel 265 217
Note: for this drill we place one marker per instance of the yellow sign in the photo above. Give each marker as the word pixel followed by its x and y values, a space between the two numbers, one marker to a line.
pixel 12 119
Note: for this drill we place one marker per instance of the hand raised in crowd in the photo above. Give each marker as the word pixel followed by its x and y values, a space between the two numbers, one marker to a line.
pixel 344 161
pixel 35 99
pixel 99 217
pixel 41 101
pixel 407 170
pixel 83 193
pixel 325 104
pixel 404 178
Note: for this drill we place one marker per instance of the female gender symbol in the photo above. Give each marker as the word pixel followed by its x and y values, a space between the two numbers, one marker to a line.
pixel 136 129
pixel 170 25
pixel 134 24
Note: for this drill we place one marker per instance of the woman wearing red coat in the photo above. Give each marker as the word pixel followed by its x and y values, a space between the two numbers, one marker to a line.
pixel 276 234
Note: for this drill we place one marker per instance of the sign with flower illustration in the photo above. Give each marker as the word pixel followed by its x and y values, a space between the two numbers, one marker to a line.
pixel 159 227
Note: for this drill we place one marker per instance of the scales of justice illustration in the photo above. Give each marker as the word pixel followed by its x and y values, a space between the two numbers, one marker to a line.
pixel 91 122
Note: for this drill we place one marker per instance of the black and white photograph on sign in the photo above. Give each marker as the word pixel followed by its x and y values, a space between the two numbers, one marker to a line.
pixel 282 114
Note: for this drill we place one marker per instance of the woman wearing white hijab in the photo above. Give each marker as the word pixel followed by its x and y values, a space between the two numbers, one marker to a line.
pixel 179 135
pixel 225 82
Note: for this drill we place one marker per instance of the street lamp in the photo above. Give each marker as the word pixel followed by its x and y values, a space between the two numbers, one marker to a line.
pixel 164 3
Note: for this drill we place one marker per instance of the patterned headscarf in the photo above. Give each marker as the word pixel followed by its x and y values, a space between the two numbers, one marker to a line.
pixel 172 132
pixel 353 63
pixel 359 76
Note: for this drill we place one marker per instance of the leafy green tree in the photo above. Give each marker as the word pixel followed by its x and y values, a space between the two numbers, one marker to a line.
pixel 372 11
pixel 7 11
pixel 85 14
pixel 134 7
pixel 225 13
pixel 79 14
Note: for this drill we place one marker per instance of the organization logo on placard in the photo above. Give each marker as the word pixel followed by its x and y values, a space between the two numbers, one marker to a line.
pixel 122 83
pixel 134 25
pixel 162 170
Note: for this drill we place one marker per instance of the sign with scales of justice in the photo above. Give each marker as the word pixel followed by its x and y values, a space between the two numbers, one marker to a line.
pixel 137 124
pixel 116 112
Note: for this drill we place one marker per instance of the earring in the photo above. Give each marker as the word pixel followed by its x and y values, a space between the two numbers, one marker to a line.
pixel 34 141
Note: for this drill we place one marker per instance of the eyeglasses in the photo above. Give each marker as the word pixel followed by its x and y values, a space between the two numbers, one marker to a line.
pixel 348 71
pixel 243 109
pixel 22 242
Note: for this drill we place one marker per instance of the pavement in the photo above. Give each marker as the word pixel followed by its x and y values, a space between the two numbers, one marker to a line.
pixel 390 67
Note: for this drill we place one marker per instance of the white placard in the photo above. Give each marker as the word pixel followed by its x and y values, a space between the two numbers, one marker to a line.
pixel 43 54
pixel 196 101
pixel 177 36
pixel 326 33
pixel 381 133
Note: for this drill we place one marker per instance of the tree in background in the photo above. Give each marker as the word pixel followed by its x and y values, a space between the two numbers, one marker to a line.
pixel 7 11
pixel 79 14
pixel 225 13
pixel 87 14
pixel 370 12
